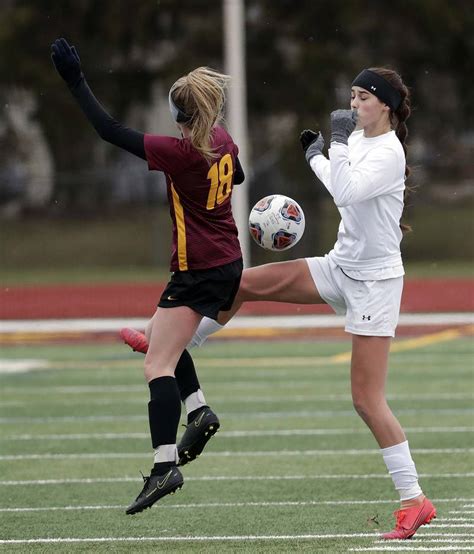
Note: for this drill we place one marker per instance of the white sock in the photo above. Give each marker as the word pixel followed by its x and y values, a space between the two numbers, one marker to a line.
pixel 402 469
pixel 207 327
pixel 166 453
pixel 194 401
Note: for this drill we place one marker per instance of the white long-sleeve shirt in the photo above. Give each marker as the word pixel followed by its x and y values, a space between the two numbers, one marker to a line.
pixel 366 180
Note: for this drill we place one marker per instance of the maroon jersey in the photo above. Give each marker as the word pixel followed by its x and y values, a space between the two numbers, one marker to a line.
pixel 199 195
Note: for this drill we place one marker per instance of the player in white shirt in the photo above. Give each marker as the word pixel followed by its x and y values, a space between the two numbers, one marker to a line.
pixel 362 276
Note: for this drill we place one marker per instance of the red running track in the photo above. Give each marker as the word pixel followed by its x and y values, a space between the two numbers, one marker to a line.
pixel 139 300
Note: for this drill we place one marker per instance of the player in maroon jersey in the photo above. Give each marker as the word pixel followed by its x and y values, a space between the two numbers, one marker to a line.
pixel 201 168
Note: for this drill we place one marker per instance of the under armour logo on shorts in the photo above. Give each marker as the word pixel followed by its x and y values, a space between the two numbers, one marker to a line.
pixel 366 317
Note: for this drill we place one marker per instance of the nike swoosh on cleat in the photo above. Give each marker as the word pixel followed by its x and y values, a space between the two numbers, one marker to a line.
pixel 422 515
pixel 198 420
pixel 159 485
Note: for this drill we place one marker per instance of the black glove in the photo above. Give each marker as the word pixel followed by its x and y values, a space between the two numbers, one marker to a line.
pixel 312 143
pixel 66 61
pixel 343 122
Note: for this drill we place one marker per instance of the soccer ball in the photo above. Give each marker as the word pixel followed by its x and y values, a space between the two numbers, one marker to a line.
pixel 276 222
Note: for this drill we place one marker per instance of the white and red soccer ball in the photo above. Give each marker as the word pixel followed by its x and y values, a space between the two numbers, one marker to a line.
pixel 276 222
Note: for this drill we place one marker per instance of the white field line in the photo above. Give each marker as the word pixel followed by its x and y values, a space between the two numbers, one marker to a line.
pixel 23 365
pixel 403 548
pixel 425 540
pixel 239 322
pixel 89 481
pixel 141 392
pixel 205 538
pixel 224 505
pixel 232 434
pixel 462 512
pixel 442 525
pixel 457 520
pixel 241 415
pixel 221 538
pixel 228 454
pixel 221 401
pixel 140 389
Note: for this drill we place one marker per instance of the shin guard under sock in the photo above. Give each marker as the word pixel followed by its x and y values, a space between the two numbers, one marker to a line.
pixel 164 410
pixel 186 376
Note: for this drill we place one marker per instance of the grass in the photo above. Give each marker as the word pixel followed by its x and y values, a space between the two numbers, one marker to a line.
pixel 84 417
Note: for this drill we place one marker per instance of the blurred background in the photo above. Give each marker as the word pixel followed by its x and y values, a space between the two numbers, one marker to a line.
pixel 73 208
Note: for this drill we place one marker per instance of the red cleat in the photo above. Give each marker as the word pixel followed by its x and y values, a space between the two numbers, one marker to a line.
pixel 410 519
pixel 136 340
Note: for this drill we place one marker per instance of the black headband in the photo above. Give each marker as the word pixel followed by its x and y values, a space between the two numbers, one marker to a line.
pixel 179 115
pixel 379 87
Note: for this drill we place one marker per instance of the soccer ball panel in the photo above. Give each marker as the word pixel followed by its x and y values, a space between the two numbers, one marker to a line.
pixel 276 222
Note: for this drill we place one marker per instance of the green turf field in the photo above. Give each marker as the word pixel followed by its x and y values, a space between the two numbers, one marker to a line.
pixel 293 468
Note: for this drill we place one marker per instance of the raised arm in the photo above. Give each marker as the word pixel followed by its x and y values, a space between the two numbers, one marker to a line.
pixel 376 176
pixel 313 144
pixel 67 63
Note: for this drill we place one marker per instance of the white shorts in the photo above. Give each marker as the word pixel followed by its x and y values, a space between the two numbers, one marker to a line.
pixel 371 307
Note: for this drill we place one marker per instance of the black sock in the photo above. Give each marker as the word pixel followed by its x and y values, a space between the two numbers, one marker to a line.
pixel 161 467
pixel 164 410
pixel 193 415
pixel 186 376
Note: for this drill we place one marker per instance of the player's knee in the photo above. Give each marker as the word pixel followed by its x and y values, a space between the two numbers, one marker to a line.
pixel 362 404
pixel 367 404
pixel 152 370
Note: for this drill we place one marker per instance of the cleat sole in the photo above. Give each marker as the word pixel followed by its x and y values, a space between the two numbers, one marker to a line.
pixel 192 452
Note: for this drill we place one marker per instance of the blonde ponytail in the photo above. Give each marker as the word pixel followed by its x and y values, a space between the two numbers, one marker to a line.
pixel 201 95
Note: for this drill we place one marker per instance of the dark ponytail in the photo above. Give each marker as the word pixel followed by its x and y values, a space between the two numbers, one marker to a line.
pixel 398 119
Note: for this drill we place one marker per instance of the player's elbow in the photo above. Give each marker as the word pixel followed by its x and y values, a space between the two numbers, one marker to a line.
pixel 105 133
pixel 342 200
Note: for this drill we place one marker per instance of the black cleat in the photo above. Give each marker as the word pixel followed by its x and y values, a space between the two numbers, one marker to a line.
pixel 156 486
pixel 197 433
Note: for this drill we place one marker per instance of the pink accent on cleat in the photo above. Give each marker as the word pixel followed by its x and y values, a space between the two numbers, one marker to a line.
pixel 410 519
pixel 136 340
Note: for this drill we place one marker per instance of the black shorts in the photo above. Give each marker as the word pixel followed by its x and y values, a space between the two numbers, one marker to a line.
pixel 206 291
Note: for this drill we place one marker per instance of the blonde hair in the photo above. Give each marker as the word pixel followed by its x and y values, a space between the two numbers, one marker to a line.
pixel 201 95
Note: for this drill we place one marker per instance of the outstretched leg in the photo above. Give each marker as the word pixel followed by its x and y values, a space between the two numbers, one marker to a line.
pixel 278 282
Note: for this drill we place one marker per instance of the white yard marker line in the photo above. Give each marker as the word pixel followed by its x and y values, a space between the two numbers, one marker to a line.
pixel 400 548
pixel 23 365
pixel 221 538
pixel 139 389
pixel 462 512
pixel 223 400
pixel 88 481
pixel 425 539
pixel 441 525
pixel 229 453
pixel 222 505
pixel 439 412
pixel 226 538
pixel 233 434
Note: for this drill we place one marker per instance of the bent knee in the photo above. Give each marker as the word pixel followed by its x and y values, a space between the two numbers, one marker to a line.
pixel 153 371
pixel 368 406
